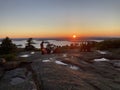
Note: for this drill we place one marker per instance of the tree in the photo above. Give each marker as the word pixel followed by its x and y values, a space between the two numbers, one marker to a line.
pixel 7 47
pixel 29 45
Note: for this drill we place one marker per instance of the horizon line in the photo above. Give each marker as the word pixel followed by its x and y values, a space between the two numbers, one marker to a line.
pixel 62 37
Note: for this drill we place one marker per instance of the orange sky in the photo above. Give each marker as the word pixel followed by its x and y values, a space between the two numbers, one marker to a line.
pixel 57 33
pixel 59 18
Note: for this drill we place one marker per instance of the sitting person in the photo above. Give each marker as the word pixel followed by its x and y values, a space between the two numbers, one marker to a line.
pixel 48 48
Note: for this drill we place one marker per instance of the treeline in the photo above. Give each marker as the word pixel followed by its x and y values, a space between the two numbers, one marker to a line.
pixel 8 47
pixel 108 44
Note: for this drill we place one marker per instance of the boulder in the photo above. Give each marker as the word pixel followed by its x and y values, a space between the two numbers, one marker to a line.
pixel 2 61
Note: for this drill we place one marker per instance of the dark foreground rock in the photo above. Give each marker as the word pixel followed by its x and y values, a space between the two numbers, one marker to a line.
pixel 69 71
pixel 82 76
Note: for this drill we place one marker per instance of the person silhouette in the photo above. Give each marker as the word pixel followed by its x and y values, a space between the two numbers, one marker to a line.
pixel 42 47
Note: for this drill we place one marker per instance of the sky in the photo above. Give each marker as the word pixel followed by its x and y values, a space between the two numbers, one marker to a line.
pixel 59 18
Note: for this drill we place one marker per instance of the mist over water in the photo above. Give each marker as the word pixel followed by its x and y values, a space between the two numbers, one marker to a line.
pixel 22 43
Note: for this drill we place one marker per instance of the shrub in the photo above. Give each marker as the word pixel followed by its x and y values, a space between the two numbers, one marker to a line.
pixel 108 44
pixel 29 45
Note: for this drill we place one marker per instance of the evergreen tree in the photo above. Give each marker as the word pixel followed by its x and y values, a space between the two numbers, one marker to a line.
pixel 7 46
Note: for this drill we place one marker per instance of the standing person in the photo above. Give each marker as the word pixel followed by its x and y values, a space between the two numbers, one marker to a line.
pixel 43 50
pixel 42 47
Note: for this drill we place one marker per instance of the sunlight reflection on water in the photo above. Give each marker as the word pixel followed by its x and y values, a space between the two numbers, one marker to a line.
pixel 101 59
pixel 60 63
pixel 25 55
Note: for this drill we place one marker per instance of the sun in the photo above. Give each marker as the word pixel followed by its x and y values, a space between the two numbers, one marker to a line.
pixel 74 36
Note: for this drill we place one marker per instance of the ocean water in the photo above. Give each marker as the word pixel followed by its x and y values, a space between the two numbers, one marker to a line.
pixel 22 43
pixel 37 43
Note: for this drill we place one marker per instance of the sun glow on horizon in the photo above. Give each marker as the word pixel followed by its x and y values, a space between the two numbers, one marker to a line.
pixel 74 36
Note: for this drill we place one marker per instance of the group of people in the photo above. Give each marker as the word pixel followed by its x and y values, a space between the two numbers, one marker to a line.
pixel 85 47
pixel 48 49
